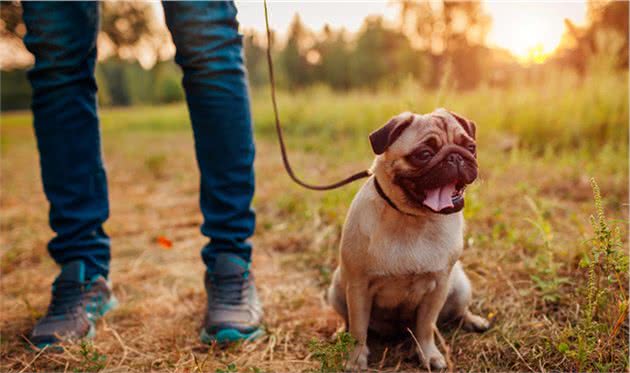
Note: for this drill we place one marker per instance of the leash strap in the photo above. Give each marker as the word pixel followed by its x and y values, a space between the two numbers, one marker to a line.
pixel 283 150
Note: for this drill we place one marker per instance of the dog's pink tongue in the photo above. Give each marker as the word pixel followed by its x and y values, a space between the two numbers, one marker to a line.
pixel 440 198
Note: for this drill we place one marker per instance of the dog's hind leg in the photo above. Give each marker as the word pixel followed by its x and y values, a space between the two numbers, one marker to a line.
pixel 456 307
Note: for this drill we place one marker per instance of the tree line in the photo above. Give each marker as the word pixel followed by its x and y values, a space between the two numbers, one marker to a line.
pixel 430 44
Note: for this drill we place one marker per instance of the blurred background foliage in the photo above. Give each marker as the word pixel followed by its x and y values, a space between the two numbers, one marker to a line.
pixel 430 46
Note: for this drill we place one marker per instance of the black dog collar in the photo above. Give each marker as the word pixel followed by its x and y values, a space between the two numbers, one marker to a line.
pixel 384 196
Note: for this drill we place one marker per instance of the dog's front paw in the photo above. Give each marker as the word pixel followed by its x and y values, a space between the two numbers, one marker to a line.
pixel 437 361
pixel 358 359
pixel 433 357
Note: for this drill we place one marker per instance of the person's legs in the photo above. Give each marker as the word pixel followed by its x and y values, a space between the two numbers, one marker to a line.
pixel 62 36
pixel 209 51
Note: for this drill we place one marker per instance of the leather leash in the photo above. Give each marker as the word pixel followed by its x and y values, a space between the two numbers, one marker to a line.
pixel 283 150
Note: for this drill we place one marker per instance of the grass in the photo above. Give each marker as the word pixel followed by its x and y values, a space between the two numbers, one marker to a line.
pixel 553 279
pixel 594 339
pixel 333 356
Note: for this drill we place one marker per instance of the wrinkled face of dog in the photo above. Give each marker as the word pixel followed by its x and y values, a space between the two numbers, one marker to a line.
pixel 431 158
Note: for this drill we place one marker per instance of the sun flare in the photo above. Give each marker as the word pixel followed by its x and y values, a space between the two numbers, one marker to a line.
pixel 533 38
pixel 532 30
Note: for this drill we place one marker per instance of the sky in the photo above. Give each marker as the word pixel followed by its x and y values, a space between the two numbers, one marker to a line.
pixel 531 30
pixel 523 27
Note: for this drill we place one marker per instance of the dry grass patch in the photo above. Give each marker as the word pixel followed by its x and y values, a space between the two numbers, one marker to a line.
pixel 528 232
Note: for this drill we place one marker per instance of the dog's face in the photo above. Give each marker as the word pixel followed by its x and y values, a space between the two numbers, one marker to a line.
pixel 431 158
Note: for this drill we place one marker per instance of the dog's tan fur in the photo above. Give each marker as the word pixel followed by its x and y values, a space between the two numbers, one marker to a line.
pixel 398 270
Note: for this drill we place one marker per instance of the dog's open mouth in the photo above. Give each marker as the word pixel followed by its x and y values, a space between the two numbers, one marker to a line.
pixel 445 198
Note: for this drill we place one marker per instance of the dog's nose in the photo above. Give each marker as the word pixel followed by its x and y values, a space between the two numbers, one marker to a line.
pixel 454 158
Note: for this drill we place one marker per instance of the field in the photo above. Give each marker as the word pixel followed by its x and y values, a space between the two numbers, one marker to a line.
pixel 554 282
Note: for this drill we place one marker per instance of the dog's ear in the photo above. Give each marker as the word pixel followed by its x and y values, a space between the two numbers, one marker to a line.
pixel 383 137
pixel 468 125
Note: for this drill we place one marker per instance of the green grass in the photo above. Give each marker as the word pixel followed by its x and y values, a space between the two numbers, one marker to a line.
pixel 554 279
pixel 594 339
pixel 333 356
pixel 565 113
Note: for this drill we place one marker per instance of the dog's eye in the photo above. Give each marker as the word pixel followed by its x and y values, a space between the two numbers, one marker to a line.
pixel 472 148
pixel 421 157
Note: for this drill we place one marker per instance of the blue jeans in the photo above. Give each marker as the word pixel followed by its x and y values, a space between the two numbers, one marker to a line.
pixel 62 36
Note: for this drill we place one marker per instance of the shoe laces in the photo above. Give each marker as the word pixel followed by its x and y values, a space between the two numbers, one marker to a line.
pixel 66 295
pixel 229 289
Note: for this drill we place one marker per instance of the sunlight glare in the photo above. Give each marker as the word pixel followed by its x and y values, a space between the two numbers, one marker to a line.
pixel 532 30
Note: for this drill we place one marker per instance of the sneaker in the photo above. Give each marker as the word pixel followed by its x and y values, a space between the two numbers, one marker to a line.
pixel 75 306
pixel 234 311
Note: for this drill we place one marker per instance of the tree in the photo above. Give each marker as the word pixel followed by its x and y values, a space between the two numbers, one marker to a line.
pixel 437 25
pixel 255 59
pixel 611 16
pixel 382 53
pixel 293 57
pixel 608 25
pixel 448 30
pixel 333 66
pixel 132 33
pixel 125 23
pixel 12 51
pixel 11 20
pixel 128 30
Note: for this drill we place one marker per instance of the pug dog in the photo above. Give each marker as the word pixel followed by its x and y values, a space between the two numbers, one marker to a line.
pixel 399 255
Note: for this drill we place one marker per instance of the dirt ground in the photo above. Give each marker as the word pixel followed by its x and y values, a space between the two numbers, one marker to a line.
pixel 153 184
